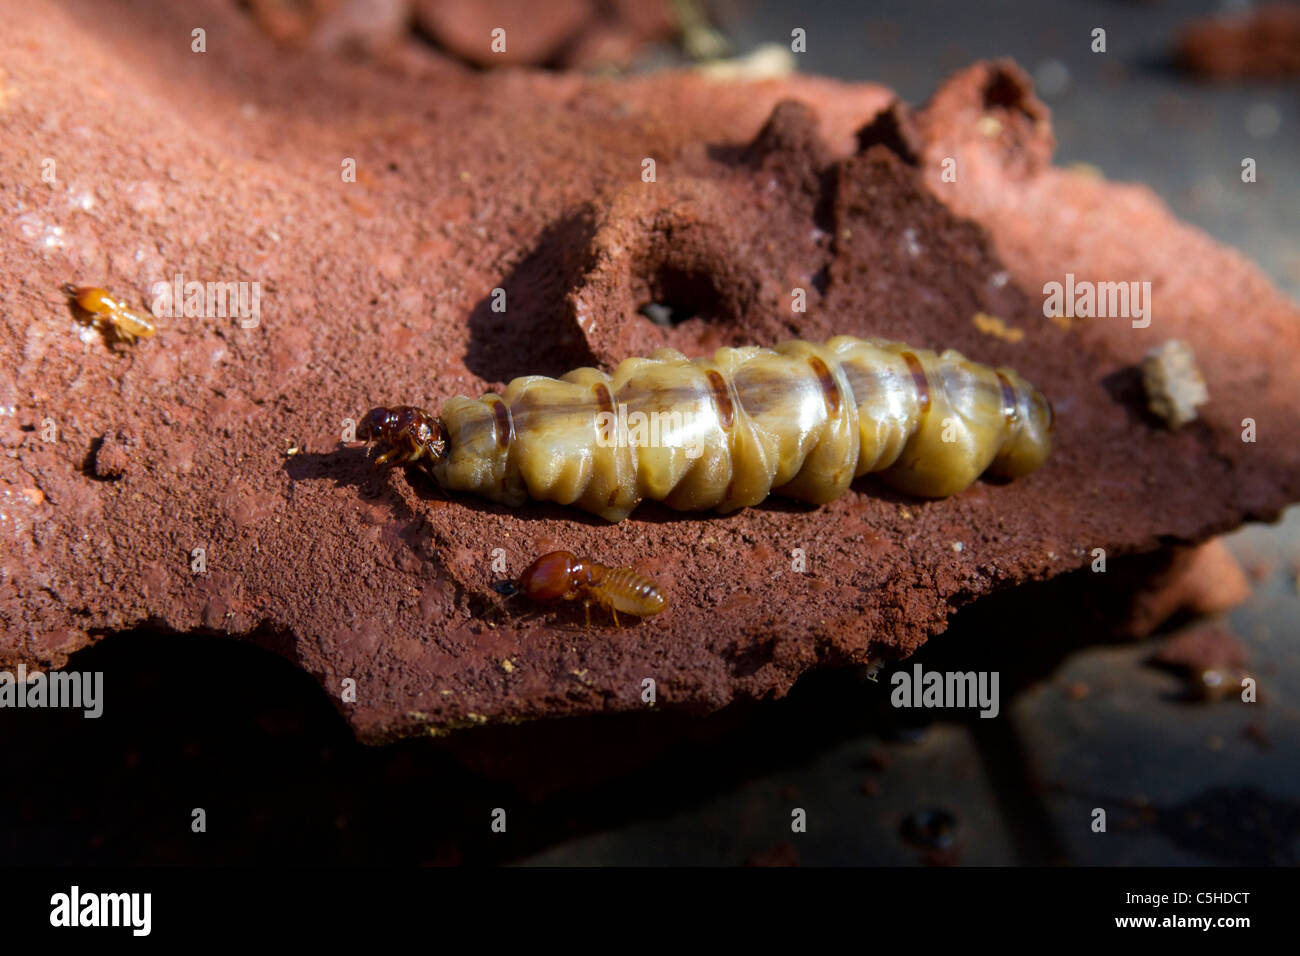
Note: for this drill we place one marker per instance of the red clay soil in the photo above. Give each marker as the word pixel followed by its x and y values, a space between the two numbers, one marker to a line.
pixel 225 166
pixel 562 33
pixel 1260 43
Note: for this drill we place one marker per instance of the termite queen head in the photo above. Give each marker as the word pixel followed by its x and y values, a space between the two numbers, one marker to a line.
pixel 411 434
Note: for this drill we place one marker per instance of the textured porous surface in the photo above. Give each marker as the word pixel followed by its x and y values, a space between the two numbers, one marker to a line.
pixel 226 166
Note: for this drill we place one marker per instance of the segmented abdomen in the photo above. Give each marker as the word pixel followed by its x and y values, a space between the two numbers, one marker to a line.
pixel 801 420
pixel 626 590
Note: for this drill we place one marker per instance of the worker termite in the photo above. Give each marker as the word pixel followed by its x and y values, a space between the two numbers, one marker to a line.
pixel 113 319
pixel 560 575
pixel 802 420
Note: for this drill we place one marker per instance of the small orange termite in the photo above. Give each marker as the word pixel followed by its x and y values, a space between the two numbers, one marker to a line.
pixel 110 315
pixel 561 575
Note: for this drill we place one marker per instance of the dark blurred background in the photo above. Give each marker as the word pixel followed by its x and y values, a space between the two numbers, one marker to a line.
pixel 1087 720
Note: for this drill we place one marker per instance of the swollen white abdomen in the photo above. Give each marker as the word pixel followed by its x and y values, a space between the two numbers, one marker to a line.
pixel 801 420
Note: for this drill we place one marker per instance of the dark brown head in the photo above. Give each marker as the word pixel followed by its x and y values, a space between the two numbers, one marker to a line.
pixel 551 577
pixel 411 434
pixel 376 424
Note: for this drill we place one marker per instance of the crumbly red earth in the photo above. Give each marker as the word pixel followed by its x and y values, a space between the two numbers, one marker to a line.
pixel 225 166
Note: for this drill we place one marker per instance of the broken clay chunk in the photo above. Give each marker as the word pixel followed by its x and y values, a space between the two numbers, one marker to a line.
pixel 111 460
pixel 1173 383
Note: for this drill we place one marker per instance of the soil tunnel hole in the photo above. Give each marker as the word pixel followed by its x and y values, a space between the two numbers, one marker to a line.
pixel 677 294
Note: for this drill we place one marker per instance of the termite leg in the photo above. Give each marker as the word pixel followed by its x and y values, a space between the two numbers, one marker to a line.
pixel 586 607
pixel 617 626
